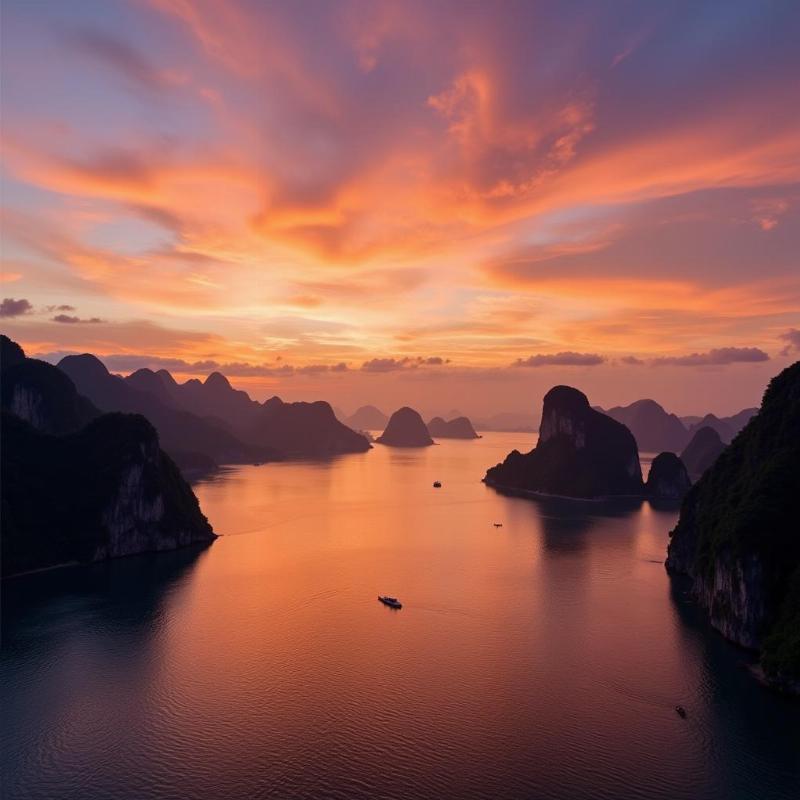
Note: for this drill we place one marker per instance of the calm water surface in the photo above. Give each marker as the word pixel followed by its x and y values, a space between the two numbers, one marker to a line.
pixel 543 659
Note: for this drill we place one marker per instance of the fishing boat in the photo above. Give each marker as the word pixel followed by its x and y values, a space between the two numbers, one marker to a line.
pixel 437 484
pixel 392 602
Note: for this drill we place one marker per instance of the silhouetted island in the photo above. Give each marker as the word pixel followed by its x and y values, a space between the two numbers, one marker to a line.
pixel 654 429
pixel 458 428
pixel 668 480
pixel 581 453
pixel 702 451
pixel 78 485
pixel 367 418
pixel 737 537
pixel 405 429
pixel 305 430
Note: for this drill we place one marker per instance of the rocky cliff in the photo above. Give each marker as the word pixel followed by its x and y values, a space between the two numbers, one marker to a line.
pixel 458 428
pixel 79 485
pixel 668 480
pixel 40 394
pixel 581 453
pixel 405 429
pixel 105 491
pixel 738 538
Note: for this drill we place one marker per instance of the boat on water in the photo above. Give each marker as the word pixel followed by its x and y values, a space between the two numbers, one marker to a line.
pixel 437 484
pixel 498 524
pixel 392 602
pixel 681 711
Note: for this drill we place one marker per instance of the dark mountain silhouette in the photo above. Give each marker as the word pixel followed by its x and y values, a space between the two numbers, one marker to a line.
pixel 292 430
pixel 367 418
pixel 145 380
pixel 405 429
pixel 737 537
pixel 668 480
pixel 79 485
pixel 180 431
pixel 726 427
pixel 581 453
pixel 304 430
pixel 458 428
pixel 702 451
pixel 725 431
pixel 40 394
pixel 654 429
pixel 10 352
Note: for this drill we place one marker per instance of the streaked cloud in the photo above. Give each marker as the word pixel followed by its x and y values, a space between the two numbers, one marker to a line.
pixel 565 359
pixel 363 184
pixel 716 357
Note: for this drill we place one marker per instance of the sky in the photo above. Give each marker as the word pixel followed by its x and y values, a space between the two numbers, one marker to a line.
pixel 445 204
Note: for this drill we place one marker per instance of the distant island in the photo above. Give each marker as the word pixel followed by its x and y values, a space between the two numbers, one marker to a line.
pixel 405 429
pixel 702 451
pixel 737 537
pixel 458 428
pixel 657 430
pixel 653 428
pixel 367 418
pixel 80 485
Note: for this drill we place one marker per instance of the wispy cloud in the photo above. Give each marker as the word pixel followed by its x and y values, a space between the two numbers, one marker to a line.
pixel 716 357
pixel 67 319
pixel 15 308
pixel 565 359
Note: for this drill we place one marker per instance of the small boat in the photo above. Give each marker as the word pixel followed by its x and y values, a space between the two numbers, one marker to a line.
pixel 498 524
pixel 392 602
pixel 681 711
pixel 437 484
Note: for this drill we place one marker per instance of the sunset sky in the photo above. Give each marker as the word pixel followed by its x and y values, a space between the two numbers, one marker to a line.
pixel 449 204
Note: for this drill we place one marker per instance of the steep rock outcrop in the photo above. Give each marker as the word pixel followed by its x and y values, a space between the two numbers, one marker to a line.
pixel 458 428
pixel 668 480
pixel 654 429
pixel 581 453
pixel 702 451
pixel 405 429
pixel 104 491
pixel 42 395
pixel 74 491
pixel 305 430
pixel 738 540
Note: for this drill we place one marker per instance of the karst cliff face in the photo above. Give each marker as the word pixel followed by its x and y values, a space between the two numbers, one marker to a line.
pixel 80 486
pixel 668 481
pixel 581 453
pixel 738 539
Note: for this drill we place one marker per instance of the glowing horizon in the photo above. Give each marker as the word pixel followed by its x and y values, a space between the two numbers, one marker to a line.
pixel 456 204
